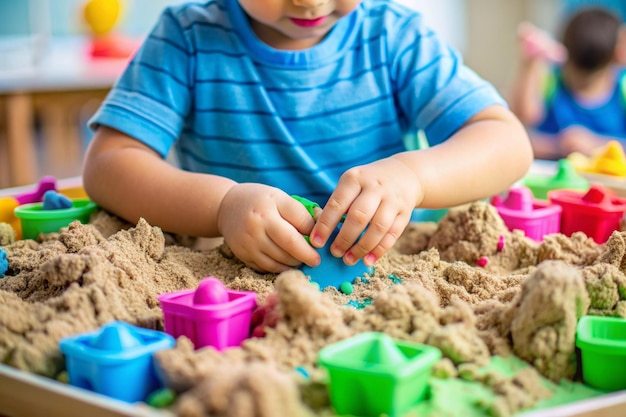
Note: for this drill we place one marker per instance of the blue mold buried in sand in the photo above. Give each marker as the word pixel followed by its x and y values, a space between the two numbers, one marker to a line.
pixel 116 360
pixel 4 264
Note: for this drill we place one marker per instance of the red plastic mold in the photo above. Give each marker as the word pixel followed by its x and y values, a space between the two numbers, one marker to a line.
pixel 597 213
pixel 210 315
pixel 521 211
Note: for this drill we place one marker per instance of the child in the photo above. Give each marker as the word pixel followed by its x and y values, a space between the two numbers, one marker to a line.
pixel 263 99
pixel 616 6
pixel 570 95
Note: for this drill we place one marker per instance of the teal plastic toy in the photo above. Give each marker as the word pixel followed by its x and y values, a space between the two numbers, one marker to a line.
pixel 53 200
pixel 4 263
pixel 372 375
pixel 332 271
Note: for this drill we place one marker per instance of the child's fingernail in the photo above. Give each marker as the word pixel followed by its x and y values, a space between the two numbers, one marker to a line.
pixel 317 239
pixel 350 259
pixel 336 252
pixel 370 259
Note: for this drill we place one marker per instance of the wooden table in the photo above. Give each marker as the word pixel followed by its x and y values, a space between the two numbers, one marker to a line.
pixel 53 99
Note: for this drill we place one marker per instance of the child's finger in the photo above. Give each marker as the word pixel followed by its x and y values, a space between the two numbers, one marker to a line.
pixel 264 263
pixel 289 247
pixel 386 241
pixel 357 220
pixel 297 216
pixel 379 226
pixel 337 205
pixel 317 212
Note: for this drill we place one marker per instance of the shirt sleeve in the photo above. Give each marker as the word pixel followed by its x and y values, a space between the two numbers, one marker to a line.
pixel 152 98
pixel 436 92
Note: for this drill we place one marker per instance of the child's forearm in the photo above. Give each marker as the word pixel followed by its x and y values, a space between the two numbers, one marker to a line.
pixel 546 146
pixel 526 98
pixel 537 50
pixel 483 158
pixel 132 182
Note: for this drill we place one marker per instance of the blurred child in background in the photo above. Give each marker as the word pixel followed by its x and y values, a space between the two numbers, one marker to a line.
pixel 572 95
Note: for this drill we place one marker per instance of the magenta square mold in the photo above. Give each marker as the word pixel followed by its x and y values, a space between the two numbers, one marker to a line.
pixel 521 211
pixel 210 315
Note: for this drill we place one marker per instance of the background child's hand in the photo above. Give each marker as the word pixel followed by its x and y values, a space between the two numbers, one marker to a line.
pixel 380 197
pixel 538 44
pixel 580 139
pixel 264 228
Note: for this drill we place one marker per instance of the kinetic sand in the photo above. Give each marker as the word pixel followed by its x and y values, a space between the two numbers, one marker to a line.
pixel 518 308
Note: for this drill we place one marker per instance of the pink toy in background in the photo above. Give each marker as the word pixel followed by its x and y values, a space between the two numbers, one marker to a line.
pixel 47 183
pixel 210 315
pixel 597 213
pixel 520 210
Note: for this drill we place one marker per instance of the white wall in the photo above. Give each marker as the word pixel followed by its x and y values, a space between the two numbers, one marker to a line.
pixel 447 17
pixel 492 48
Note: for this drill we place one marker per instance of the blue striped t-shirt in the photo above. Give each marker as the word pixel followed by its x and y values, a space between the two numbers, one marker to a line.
pixel 230 105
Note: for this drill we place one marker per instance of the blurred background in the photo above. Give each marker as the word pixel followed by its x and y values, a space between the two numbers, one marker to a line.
pixel 53 75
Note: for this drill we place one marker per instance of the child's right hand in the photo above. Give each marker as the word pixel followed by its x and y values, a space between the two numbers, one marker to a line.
pixel 264 228
pixel 538 44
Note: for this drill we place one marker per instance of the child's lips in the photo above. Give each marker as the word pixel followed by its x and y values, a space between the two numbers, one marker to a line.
pixel 309 23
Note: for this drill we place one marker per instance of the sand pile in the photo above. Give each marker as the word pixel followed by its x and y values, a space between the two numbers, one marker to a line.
pixel 466 285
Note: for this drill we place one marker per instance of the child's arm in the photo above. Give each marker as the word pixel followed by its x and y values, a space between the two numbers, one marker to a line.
pixel 488 154
pixel 262 225
pixel 572 139
pixel 537 50
pixel 546 146
pixel 582 140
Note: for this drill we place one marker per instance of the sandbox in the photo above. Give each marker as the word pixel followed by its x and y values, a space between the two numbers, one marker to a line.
pixel 506 328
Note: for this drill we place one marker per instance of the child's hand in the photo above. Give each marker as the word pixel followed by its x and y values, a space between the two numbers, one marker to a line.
pixel 579 139
pixel 264 228
pixel 380 197
pixel 538 44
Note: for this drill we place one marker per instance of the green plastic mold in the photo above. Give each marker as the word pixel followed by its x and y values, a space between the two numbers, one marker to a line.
pixel 602 344
pixel 372 374
pixel 565 177
pixel 35 219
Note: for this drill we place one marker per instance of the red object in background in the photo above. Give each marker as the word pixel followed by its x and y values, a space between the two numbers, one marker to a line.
pixel 265 315
pixel 597 213
pixel 112 46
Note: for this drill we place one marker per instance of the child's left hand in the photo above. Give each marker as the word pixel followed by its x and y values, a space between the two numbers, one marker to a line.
pixel 377 198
